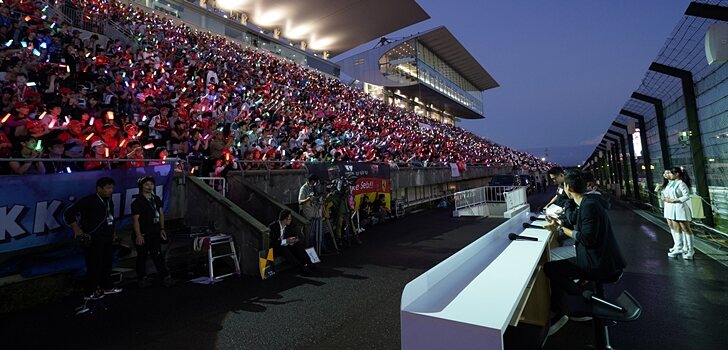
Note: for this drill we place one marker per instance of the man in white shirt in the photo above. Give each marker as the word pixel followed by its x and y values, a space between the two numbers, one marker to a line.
pixel 285 242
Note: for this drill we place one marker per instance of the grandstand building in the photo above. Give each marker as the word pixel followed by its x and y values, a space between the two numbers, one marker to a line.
pixel 306 32
pixel 430 73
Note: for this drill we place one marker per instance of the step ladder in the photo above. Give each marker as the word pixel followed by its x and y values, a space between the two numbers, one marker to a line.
pixel 210 242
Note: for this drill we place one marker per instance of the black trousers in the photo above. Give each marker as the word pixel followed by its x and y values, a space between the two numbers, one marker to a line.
pixel 99 258
pixel 294 254
pixel 152 248
pixel 562 274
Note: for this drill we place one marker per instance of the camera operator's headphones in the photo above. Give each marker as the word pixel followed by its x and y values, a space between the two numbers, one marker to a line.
pixel 144 179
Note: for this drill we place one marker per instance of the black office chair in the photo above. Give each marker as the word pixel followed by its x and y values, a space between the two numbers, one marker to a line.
pixel 604 311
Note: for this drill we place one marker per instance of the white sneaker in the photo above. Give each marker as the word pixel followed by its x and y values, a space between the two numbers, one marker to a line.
pixel 675 253
pixel 688 255
pixel 555 327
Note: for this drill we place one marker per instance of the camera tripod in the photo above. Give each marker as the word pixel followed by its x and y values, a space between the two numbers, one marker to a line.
pixel 318 224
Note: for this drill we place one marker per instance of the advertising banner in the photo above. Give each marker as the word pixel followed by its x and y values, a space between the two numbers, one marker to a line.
pixel 32 206
pixel 368 179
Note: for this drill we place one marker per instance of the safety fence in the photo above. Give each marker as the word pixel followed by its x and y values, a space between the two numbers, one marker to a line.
pixel 475 202
pixel 219 184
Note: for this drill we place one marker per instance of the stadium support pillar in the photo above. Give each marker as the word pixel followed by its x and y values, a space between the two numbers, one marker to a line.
pixel 632 157
pixel 661 128
pixel 625 165
pixel 646 158
pixel 616 166
pixel 602 161
pixel 694 134
pixel 609 155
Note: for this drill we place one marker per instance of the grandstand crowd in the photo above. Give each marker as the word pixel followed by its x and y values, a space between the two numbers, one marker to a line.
pixel 179 92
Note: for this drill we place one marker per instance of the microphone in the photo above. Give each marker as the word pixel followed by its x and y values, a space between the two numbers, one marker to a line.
pixel 515 237
pixel 527 225
pixel 589 295
pixel 533 218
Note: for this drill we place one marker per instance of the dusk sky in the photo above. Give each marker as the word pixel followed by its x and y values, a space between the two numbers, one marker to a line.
pixel 565 67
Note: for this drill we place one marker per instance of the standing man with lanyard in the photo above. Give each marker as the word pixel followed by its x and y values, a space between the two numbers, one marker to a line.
pixel 92 221
pixel 147 218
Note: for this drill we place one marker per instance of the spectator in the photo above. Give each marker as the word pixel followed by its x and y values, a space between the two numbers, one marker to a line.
pixel 261 103
pixel 30 148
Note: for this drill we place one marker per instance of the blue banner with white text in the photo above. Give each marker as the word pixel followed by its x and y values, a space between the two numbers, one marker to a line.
pixel 32 206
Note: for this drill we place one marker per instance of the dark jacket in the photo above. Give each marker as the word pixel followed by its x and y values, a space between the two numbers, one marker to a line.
pixel 275 234
pixel 597 251
pixel 91 212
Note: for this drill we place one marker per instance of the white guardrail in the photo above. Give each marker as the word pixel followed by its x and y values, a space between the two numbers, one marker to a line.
pixel 474 202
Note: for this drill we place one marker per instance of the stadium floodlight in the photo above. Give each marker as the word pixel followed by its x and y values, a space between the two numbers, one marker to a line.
pixel 230 4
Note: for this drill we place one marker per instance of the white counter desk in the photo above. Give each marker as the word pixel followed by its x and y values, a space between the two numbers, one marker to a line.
pixel 468 300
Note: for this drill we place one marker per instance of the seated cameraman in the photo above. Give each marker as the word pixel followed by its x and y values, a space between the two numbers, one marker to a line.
pixel 379 209
pixel 365 210
pixel 285 242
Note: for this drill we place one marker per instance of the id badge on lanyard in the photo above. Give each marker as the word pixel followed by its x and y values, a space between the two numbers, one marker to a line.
pixel 109 214
pixel 153 204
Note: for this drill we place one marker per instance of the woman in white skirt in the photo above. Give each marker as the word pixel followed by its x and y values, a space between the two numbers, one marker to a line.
pixel 663 192
pixel 676 196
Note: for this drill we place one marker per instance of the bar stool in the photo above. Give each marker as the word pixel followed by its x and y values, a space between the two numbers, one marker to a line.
pixel 623 308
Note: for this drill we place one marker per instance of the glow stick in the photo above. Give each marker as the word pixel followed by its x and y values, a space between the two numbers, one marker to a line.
pixel 110 115
pixel 89 136
pixel 139 133
pixel 52 124
pixel 122 143
pixel 5 118
pixel 91 121
pixel 106 152
pixel 149 146
pixel 42 115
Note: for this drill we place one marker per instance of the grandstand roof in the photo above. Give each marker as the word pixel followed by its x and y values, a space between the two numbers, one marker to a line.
pixel 332 25
pixel 450 50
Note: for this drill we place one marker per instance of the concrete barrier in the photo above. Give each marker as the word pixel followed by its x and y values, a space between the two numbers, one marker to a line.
pixel 202 204
pixel 413 185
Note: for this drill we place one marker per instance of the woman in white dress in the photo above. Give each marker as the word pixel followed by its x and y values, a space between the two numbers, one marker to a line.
pixel 667 209
pixel 677 195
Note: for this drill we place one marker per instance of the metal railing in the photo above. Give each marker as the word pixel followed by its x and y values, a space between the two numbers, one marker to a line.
pixel 470 202
pixel 219 184
pixel 108 163
pixel 515 197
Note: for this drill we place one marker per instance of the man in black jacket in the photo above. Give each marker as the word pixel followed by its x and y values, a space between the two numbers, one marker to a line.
pixel 92 221
pixel 285 242
pixel 597 253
